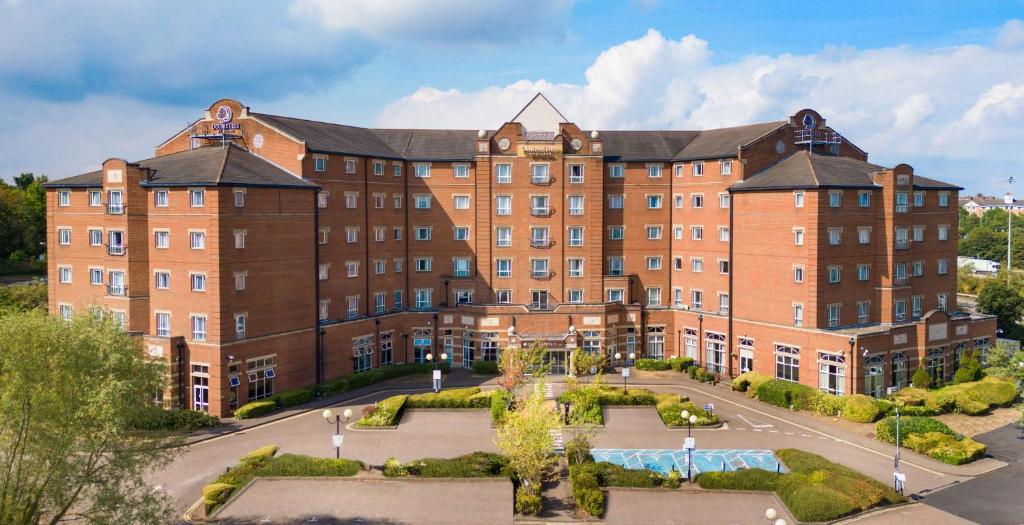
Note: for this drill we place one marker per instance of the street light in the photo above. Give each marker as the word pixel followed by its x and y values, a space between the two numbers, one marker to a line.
pixel 773 516
pixel 1008 199
pixel 337 438
pixel 625 369
pixel 897 477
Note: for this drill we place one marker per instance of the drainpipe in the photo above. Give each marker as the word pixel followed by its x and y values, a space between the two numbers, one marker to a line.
pixel 181 374
pixel 732 270
pixel 366 232
pixel 700 337
pixel 319 350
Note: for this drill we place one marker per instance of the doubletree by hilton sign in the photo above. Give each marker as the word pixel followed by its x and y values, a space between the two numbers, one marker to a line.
pixel 224 115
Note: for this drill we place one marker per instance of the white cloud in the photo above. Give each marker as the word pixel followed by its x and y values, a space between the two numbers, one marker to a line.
pixel 1011 34
pixel 898 103
pixel 445 21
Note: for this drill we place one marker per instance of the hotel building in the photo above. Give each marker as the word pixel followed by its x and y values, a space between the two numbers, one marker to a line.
pixel 259 253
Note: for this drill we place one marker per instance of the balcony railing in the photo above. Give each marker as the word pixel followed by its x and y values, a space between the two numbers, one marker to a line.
pixel 902 208
pixel 540 243
pixel 543 305
pixel 460 273
pixel 541 180
pixel 902 244
pixel 901 280
pixel 538 211
pixel 540 274
pixel 115 249
pixel 117 289
pixel 115 209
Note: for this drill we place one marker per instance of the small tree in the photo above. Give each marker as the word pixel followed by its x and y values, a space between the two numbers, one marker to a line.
pixel 517 361
pixel 921 379
pixel 1003 301
pixel 579 443
pixel 1006 360
pixel 525 437
pixel 583 362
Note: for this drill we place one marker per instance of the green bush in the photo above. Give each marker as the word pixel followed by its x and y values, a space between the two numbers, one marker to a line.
pixel 921 378
pixel 485 367
pixel 861 409
pixel 255 409
pixel 829 405
pixel 971 398
pixel 747 479
pixel 671 406
pixel 584 405
pixel 963 375
pixel 752 380
pixel 680 364
pixel 374 375
pixel 911 396
pixel 394 468
pixel 700 374
pixel 528 501
pixel 585 490
pixel 814 502
pixel 609 395
pixel 674 480
pixel 156 418
pixel 473 465
pixel 500 402
pixel 885 430
pixel 290 398
pixel 258 456
pixel 652 364
pixel 946 448
pixel 612 475
pixel 786 394
pixel 216 494
pixel 469 397
pixel 386 413
pixel 292 465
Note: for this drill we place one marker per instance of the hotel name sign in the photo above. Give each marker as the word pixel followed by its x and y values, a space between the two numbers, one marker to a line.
pixel 540 151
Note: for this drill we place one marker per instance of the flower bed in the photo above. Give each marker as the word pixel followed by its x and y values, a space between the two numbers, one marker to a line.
pixel 814 489
pixel 473 465
pixel 930 437
pixel 388 413
pixel 670 408
pixel 589 477
pixel 585 402
pixel 973 398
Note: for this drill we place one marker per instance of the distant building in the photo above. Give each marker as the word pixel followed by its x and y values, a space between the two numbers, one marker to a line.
pixel 979 204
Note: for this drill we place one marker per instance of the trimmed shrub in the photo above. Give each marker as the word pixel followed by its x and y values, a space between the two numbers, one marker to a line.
pixel 671 406
pixel 861 409
pixel 609 395
pixel 258 456
pixel 374 375
pixel 702 375
pixel 680 364
pixel 652 364
pixel 469 397
pixel 912 396
pixel 255 409
pixel 485 367
pixel 829 405
pixel 394 468
pixel 473 465
pixel 885 430
pixel 814 502
pixel 528 501
pixel 786 394
pixel 156 418
pixel 921 378
pixel 752 380
pixel 746 479
pixel 585 405
pixel 585 490
pixel 612 475
pixel 674 480
pixel 387 414
pixel 963 375
pixel 293 465
pixel 500 402
pixel 290 398
pixel 216 494
pixel 946 448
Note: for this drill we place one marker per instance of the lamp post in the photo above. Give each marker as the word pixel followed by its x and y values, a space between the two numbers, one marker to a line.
pixel 1008 199
pixel 772 516
pixel 898 478
pixel 852 342
pixel 338 437
pixel 689 444
pixel 625 369
pixel 690 420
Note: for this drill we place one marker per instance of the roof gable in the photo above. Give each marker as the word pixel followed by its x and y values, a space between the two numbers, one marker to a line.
pixel 540 116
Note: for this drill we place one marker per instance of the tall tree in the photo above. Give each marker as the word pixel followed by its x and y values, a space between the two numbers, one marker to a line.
pixel 525 437
pixel 1003 301
pixel 517 361
pixel 69 392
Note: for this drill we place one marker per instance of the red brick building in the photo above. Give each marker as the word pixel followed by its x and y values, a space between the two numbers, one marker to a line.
pixel 259 253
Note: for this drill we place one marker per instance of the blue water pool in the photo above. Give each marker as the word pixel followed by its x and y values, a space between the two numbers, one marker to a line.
pixel 664 460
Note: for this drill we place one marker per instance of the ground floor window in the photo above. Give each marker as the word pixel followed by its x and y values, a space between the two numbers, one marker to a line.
pixel 690 343
pixel 489 346
pixel 362 353
pixel 630 345
pixel 592 342
pixel 656 342
pixel 900 375
pixel 201 388
pixel 958 355
pixel 449 344
pixel 935 364
pixel 387 349
pixel 787 363
pixel 715 356
pixel 261 373
pixel 420 349
pixel 874 375
pixel 746 354
pixel 981 346
pixel 831 373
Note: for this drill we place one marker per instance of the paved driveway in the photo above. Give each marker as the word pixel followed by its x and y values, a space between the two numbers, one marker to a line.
pixel 681 507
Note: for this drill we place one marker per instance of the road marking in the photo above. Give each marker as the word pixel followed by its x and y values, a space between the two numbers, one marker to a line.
pixel 756 429
pixel 789 433
pixel 773 431
pixel 755 425
pixel 740 429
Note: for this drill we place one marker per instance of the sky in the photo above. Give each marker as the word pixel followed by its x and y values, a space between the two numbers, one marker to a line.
pixel 937 85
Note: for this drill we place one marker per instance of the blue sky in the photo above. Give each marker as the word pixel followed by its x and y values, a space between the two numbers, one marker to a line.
pixel 938 85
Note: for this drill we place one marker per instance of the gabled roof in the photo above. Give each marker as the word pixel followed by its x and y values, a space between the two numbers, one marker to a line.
pixel 724 142
pixel 540 115
pixel 331 138
pixel 804 171
pixel 430 144
pixel 924 183
pixel 654 146
pixel 228 165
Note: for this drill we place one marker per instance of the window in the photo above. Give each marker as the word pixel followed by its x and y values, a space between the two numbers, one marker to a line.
pixel 95 237
pixel 654 171
pixel 240 326
pixel 697 200
pixel 350 166
pixel 198 282
pixel 353 306
pixel 787 363
pixel 398 299
pixel 63 198
pixel 864 234
pixel 679 169
pixel 575 173
pixel 160 198
pixel 351 199
pixel 322 238
pixel 378 200
pixel 901 309
pixel 901 202
pixel 398 233
pixel 64 236
pixel 900 371
pixel 831 373
pixel 380 233
pixel 362 353
pixel 575 267
pixel 539 268
pixel 423 233
pixel 935 363
pixel 835 236
pixel 463 297
pixel 397 201
pixel 943 266
pixel 944 199
pixel 398 263
pixel 835 199
pixel 864 199
pixel 679 200
pixel 96 276
pixel 918 233
pixel 615 233
pixel 319 164
pixel 677 232
pixel 324 309
pixel 574 296
pixel 539 237
pixel 460 267
pixel 503 204
pixel 725 167
pixel 798 274
pixel 424 298
pixel 653 232
pixel 696 299
pixel 941 299
pixel 724 200
pixel 396 169
pixel 723 303
pixel 198 327
pixel 240 281
pixel 163 324
pixel 539 174
pixel 321 199
pixel 239 239
pixel 943 232
pixel 378 168
pixel 95 198
pixel 461 202
pixel 503 236
pixel 697 233
pixel 196 198
pixel 698 169
pixel 539 299
pixel 615 295
pixel 863 272
pixel 324 272
pixel 863 311
pixel 380 266
pixel 503 173
pixel 161 239
pixel 917 268
pixel 575 236
pixel 916 305
pixel 798 315
pixel 901 238
pixel 424 264
pixel 461 233
pixel 677 297
pixel 654 297
pixel 575 205
pixel 352 269
pixel 798 236
pixel 833 315
pixel 798 199
pixel 723 233
pixel 616 202
pixel 654 202
pixel 696 264
pixel 615 265
pixel 197 240
pixel 834 274
pixel 746 354
pixel 918 199
pixel 239 198
pixel 654 263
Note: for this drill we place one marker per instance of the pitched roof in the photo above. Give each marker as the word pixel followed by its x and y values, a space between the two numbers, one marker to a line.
pixel 430 144
pixel 645 145
pixel 801 170
pixel 986 200
pixel 217 165
pixel 925 183
pixel 724 142
pixel 331 138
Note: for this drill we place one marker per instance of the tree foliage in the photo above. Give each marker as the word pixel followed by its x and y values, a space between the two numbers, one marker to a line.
pixel 1006 360
pixel 517 361
pixel 22 218
pixel 23 297
pixel 525 437
pixel 1003 301
pixel 69 394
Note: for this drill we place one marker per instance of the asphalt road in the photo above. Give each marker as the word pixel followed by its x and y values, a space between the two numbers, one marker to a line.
pixel 996 498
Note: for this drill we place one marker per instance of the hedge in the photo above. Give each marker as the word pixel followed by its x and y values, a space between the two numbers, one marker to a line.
pixel 698 373
pixel 671 406
pixel 885 430
pixel 485 367
pixel 588 478
pixel 585 402
pixel 290 398
pixel 652 364
pixel 156 418
pixel 973 398
pixel 215 494
pixel 814 489
pixel 749 382
pixel 385 413
pixel 469 397
pixel 473 465
pixel 680 364
pixel 374 375
pixel 930 437
pixel 500 401
pixel 255 409
pixel 787 394
pixel 860 409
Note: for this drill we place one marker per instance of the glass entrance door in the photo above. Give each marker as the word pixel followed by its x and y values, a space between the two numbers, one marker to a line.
pixel 556 360
pixel 201 393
